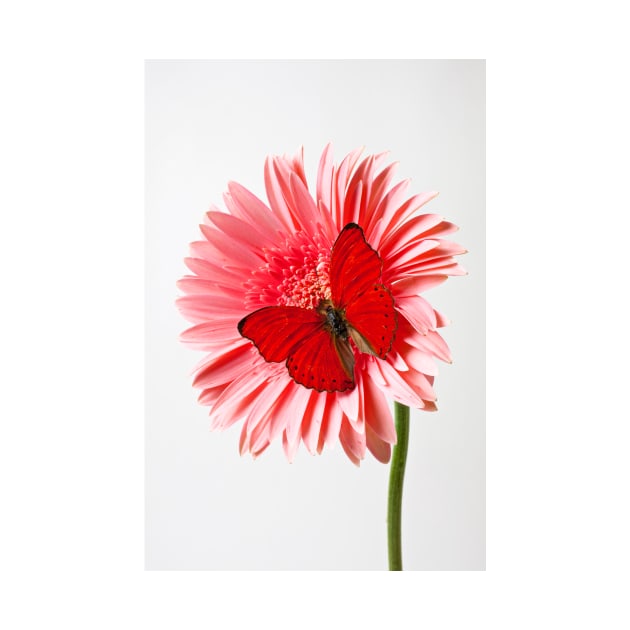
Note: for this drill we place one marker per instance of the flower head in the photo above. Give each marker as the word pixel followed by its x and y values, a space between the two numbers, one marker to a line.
pixel 309 309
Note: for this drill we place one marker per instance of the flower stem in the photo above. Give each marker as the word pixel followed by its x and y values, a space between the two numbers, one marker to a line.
pixel 396 478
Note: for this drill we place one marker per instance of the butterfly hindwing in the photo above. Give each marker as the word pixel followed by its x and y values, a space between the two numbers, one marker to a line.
pixel 373 317
pixel 323 362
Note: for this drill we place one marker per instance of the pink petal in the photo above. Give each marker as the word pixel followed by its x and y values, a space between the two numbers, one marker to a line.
pixel 409 207
pixel 420 361
pixel 313 417
pixel 396 360
pixel 256 453
pixel 377 413
pixel 211 334
pixel 353 443
pixel 441 229
pixel 441 320
pixel 208 270
pixel 340 182
pixel 328 228
pixel 324 177
pixel 415 229
pixel 349 403
pixel 264 424
pixel 366 173
pixel 276 196
pixel 208 396
pixel 237 399
pixel 248 207
pixel 420 384
pixel 332 421
pixel 377 193
pixel 194 285
pixel 305 210
pixel 239 231
pixel 433 344
pixel 418 312
pixel 225 367
pixel 227 251
pixel 282 174
pixel 294 410
pixel 385 210
pixel 357 192
pixel 381 450
pixel 396 386
pixel 202 250
pixel 442 265
pixel 296 164
pixel 415 285
pixel 352 205
pixel 243 443
pixel 198 309
pixel 411 254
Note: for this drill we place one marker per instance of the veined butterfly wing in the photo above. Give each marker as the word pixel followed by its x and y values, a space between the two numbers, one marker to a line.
pixel 356 289
pixel 315 357
pixel 372 321
pixel 323 362
pixel 354 266
pixel 276 330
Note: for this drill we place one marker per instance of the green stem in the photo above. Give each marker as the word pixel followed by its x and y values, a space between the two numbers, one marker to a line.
pixel 396 478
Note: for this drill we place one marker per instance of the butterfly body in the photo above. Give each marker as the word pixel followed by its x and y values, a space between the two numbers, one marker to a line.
pixel 335 320
pixel 318 345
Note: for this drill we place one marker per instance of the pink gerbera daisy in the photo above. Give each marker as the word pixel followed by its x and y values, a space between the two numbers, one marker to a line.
pixel 280 304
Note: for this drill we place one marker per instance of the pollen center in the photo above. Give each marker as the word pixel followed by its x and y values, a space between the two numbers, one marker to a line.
pixel 297 274
pixel 307 284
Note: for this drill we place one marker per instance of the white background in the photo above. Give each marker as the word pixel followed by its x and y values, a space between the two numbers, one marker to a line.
pixel 72 255
pixel 207 508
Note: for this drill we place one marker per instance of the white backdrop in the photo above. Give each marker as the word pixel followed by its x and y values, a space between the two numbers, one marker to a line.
pixel 207 507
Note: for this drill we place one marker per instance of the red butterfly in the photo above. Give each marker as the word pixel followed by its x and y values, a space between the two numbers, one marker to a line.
pixel 315 342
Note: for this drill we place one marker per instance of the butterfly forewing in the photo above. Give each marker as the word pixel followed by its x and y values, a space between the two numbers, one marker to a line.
pixel 354 266
pixel 276 330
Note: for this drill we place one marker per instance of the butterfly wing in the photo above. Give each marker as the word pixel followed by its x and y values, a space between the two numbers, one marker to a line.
pixel 314 356
pixel 323 362
pixel 276 330
pixel 356 289
pixel 354 266
pixel 372 321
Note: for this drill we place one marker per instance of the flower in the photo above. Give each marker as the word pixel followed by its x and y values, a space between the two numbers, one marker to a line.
pixel 257 256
